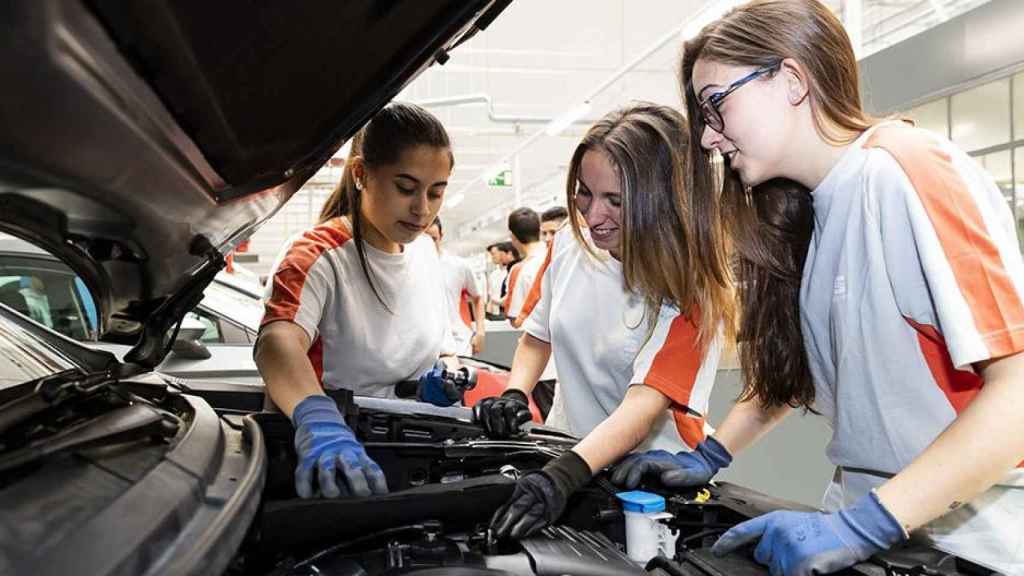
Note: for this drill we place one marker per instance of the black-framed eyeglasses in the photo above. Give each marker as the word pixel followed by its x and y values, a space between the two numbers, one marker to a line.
pixel 709 106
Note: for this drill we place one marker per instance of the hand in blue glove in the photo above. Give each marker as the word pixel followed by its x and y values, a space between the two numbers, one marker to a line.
pixel 433 389
pixel 682 470
pixel 806 543
pixel 326 445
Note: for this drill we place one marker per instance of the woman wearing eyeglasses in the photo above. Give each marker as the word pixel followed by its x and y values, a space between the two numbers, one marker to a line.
pixel 881 285
pixel 632 308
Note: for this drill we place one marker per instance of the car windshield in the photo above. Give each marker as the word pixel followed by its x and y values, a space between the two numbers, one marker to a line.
pixel 23 357
pixel 229 302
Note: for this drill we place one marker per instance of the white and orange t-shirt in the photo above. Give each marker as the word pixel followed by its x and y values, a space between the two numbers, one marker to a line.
pixel 520 279
pixel 357 343
pixel 459 286
pixel 912 276
pixel 604 341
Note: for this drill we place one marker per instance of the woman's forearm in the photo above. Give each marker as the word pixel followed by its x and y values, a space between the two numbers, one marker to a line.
pixel 479 314
pixel 978 449
pixel 746 423
pixel 624 429
pixel 288 375
pixel 528 364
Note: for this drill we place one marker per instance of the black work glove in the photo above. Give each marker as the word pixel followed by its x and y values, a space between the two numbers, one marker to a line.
pixel 540 497
pixel 502 416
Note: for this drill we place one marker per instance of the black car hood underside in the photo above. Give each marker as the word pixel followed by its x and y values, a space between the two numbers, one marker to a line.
pixel 143 140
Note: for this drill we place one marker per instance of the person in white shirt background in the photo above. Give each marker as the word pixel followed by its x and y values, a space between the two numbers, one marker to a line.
pixel 460 288
pixel 524 225
pixel 495 278
pixel 634 309
pixel 551 220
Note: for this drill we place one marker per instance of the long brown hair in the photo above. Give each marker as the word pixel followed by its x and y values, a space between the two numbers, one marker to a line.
pixel 771 224
pixel 396 128
pixel 669 254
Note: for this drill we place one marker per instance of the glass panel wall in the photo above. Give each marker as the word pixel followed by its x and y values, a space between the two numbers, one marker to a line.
pixel 981 116
pixel 932 116
pixel 998 165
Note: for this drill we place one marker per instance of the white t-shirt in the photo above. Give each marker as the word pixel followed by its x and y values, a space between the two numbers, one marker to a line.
pixel 458 279
pixel 357 343
pixel 604 341
pixel 494 281
pixel 520 280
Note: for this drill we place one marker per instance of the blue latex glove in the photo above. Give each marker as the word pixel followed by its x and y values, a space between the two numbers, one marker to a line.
pixel 806 543
pixel 327 446
pixel 432 387
pixel 682 470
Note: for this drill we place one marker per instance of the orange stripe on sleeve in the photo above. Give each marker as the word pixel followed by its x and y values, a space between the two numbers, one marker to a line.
pixel 977 265
pixel 290 276
pixel 674 369
pixel 513 275
pixel 690 429
pixel 534 295
pixel 959 386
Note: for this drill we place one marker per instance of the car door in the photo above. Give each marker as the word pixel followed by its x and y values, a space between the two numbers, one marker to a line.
pixel 35 284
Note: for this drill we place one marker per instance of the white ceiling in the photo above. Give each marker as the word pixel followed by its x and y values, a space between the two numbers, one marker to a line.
pixel 536 62
pixel 542 59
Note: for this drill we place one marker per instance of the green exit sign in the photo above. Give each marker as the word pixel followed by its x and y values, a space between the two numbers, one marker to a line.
pixel 504 178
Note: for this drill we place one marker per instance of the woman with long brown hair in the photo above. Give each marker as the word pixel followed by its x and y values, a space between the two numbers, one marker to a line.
pixel 881 286
pixel 357 301
pixel 633 309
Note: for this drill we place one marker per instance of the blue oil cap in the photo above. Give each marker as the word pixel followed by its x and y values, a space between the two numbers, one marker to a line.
pixel 640 501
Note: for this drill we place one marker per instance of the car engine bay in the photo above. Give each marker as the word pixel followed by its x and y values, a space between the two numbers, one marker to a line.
pixel 446 481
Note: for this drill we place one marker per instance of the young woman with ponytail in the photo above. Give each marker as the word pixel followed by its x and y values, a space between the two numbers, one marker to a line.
pixel 357 301
pixel 881 285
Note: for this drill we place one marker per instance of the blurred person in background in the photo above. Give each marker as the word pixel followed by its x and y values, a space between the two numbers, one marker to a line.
pixel 495 280
pixel 510 258
pixel 524 224
pixel 550 221
pixel 465 304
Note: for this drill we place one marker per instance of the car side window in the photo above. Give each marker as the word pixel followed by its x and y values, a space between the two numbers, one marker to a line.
pixel 213 334
pixel 50 294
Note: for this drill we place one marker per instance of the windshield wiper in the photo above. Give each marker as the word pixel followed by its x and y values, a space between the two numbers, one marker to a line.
pixel 52 391
pixel 119 425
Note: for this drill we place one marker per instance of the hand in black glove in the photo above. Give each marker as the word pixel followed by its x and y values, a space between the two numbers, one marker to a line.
pixel 502 416
pixel 540 497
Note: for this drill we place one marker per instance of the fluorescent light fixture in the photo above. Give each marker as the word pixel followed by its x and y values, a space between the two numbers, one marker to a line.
pixel 455 200
pixel 940 10
pixel 565 120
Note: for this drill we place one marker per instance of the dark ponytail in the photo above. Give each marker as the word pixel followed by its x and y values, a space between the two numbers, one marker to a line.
pixel 397 127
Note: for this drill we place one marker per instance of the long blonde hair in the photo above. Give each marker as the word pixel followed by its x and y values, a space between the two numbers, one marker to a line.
pixel 669 254
pixel 770 224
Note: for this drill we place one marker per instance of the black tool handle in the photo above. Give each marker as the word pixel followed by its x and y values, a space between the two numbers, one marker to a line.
pixel 407 389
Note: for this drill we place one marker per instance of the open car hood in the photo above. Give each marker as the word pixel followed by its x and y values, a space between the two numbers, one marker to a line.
pixel 144 140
